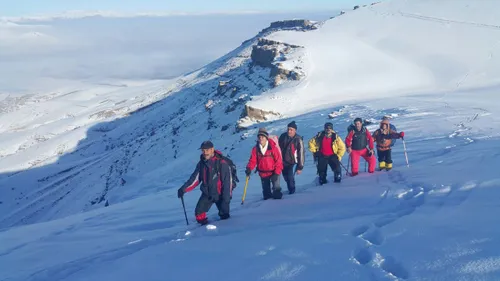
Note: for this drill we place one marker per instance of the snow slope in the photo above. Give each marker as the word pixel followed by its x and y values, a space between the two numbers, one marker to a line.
pixel 387 49
pixel 433 220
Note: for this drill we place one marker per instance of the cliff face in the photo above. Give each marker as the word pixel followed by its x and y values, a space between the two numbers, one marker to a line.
pixel 273 54
pixel 298 25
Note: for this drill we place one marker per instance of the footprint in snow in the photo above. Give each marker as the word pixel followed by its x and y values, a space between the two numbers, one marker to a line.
pixel 359 230
pixel 394 267
pixel 374 237
pixel 363 256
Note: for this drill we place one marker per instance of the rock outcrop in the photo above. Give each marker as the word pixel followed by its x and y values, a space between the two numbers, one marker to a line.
pixel 226 87
pixel 297 24
pixel 269 53
pixel 251 114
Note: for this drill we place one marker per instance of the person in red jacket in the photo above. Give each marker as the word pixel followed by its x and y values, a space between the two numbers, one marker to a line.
pixel 266 156
pixel 356 142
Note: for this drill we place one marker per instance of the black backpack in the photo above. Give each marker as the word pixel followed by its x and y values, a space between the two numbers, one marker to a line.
pixel 234 174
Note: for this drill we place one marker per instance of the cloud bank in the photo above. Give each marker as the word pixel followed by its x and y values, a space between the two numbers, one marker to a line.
pixel 40 55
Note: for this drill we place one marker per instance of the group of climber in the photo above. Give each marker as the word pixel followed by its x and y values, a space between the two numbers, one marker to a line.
pixel 272 157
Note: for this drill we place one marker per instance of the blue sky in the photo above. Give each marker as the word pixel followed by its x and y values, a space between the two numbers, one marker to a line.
pixel 14 8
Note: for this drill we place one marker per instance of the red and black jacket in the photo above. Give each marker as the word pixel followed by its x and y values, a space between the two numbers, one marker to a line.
pixel 292 150
pixel 358 140
pixel 215 178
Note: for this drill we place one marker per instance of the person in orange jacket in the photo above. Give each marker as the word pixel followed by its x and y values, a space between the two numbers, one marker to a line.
pixel 384 136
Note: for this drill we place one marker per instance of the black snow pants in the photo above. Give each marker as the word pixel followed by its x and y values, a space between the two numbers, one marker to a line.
pixel 289 177
pixel 385 156
pixel 324 162
pixel 204 204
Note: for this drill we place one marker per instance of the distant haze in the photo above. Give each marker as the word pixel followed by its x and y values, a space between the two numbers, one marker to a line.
pixel 36 56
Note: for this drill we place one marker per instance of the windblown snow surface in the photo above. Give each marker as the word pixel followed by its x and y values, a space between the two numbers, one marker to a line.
pixel 433 65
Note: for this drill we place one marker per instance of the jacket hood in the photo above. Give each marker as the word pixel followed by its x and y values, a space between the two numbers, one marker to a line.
pixel 385 122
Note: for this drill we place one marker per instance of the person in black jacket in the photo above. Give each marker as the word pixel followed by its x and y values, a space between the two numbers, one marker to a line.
pixel 292 149
pixel 214 174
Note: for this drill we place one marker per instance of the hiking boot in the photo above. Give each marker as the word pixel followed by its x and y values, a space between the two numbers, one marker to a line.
pixel 337 178
pixel 322 181
pixel 277 194
pixel 388 167
pixel 381 165
pixel 203 221
pixel 224 216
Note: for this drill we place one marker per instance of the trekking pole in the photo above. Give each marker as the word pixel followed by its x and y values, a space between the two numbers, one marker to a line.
pixel 184 207
pixel 406 154
pixel 244 191
pixel 347 171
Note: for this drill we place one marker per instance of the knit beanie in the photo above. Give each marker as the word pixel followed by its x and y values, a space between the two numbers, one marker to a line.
pixel 263 132
pixel 292 125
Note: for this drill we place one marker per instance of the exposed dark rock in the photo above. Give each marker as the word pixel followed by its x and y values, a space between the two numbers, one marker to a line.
pixel 298 24
pixel 264 55
pixel 278 73
pixel 211 123
pixel 222 88
pixel 237 102
pixel 225 87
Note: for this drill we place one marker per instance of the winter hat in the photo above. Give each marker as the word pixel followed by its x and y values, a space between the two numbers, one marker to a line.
pixel 206 145
pixel 328 125
pixel 358 119
pixel 292 125
pixel 263 132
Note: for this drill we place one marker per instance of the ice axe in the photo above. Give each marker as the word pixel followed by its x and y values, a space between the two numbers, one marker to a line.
pixel 245 191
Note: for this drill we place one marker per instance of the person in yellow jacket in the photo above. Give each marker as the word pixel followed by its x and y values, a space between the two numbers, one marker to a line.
pixel 328 149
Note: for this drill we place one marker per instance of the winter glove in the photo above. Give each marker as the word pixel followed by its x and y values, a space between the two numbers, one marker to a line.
pixel 180 192
pixel 316 156
pixel 370 153
pixel 248 171
pixel 402 134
